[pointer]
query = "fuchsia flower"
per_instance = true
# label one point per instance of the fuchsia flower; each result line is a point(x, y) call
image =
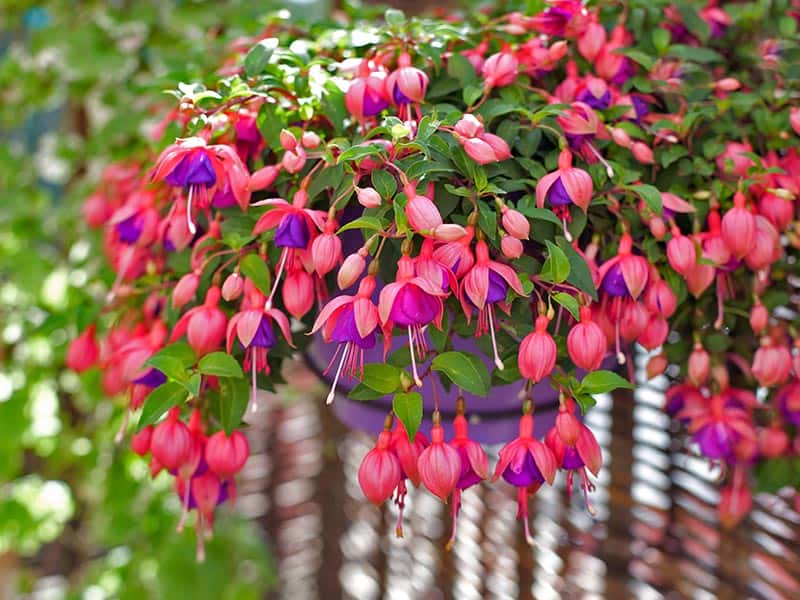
point(204, 326)
point(422, 214)
point(537, 352)
point(171, 441)
point(425, 265)
point(351, 321)
point(439, 464)
point(366, 96)
point(411, 302)
point(226, 455)
point(626, 274)
point(406, 84)
point(772, 363)
point(298, 289)
point(83, 351)
point(483, 286)
point(739, 228)
point(565, 186)
point(499, 70)
point(252, 327)
point(474, 464)
point(407, 453)
point(718, 427)
point(380, 472)
point(525, 463)
point(574, 448)
point(457, 256)
point(191, 164)
point(586, 342)
point(562, 18)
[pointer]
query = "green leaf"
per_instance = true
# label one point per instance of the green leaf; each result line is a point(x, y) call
point(539, 214)
point(440, 337)
point(160, 401)
point(363, 392)
point(384, 183)
point(579, 274)
point(556, 268)
point(394, 17)
point(258, 56)
point(408, 408)
point(179, 350)
point(585, 401)
point(372, 223)
point(360, 151)
point(192, 385)
point(569, 302)
point(220, 364)
point(600, 382)
point(638, 56)
point(465, 370)
point(169, 365)
point(254, 268)
point(471, 93)
point(233, 399)
point(776, 473)
point(650, 195)
point(381, 377)
point(459, 67)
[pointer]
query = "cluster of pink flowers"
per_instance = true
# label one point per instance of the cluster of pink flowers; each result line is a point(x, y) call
point(642, 250)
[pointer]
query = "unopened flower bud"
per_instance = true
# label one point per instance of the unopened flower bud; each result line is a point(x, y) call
point(368, 197)
point(512, 248)
point(310, 139)
point(232, 287)
point(351, 270)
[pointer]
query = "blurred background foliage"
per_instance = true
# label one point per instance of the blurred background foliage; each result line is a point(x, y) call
point(78, 81)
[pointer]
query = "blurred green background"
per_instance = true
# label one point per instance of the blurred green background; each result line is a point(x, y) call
point(78, 517)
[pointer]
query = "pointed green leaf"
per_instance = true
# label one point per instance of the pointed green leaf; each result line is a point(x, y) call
point(569, 302)
point(600, 382)
point(233, 400)
point(384, 183)
point(371, 223)
point(579, 274)
point(220, 364)
point(651, 197)
point(364, 393)
point(381, 377)
point(408, 408)
point(556, 268)
point(465, 370)
point(160, 401)
point(258, 56)
point(254, 268)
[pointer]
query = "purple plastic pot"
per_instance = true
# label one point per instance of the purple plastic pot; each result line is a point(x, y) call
point(493, 419)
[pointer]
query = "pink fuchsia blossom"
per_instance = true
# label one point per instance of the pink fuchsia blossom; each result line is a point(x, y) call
point(204, 326)
point(537, 352)
point(439, 464)
point(484, 285)
point(380, 471)
point(411, 302)
point(586, 342)
point(567, 185)
point(350, 321)
point(83, 351)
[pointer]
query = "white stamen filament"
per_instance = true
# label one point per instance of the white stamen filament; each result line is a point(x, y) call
point(609, 170)
point(497, 362)
point(189, 223)
point(201, 544)
point(184, 506)
point(281, 264)
point(122, 428)
point(417, 380)
point(332, 393)
point(567, 234)
point(253, 387)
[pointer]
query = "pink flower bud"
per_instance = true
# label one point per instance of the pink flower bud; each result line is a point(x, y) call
point(699, 278)
point(380, 472)
point(499, 70)
point(794, 119)
point(294, 161)
point(772, 441)
point(288, 140)
point(592, 40)
point(140, 442)
point(310, 139)
point(660, 299)
point(83, 351)
point(263, 178)
point(699, 365)
point(468, 126)
point(642, 153)
point(657, 228)
point(739, 228)
point(421, 212)
point(656, 365)
point(734, 504)
point(515, 223)
point(777, 210)
point(297, 292)
point(351, 270)
point(728, 84)
point(326, 251)
point(511, 247)
point(734, 161)
point(772, 363)
point(759, 317)
point(96, 211)
point(439, 465)
point(171, 441)
point(654, 334)
point(537, 352)
point(480, 151)
point(232, 287)
point(499, 146)
point(621, 137)
point(185, 289)
point(368, 197)
point(586, 342)
point(449, 232)
point(681, 253)
point(225, 455)
point(767, 248)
